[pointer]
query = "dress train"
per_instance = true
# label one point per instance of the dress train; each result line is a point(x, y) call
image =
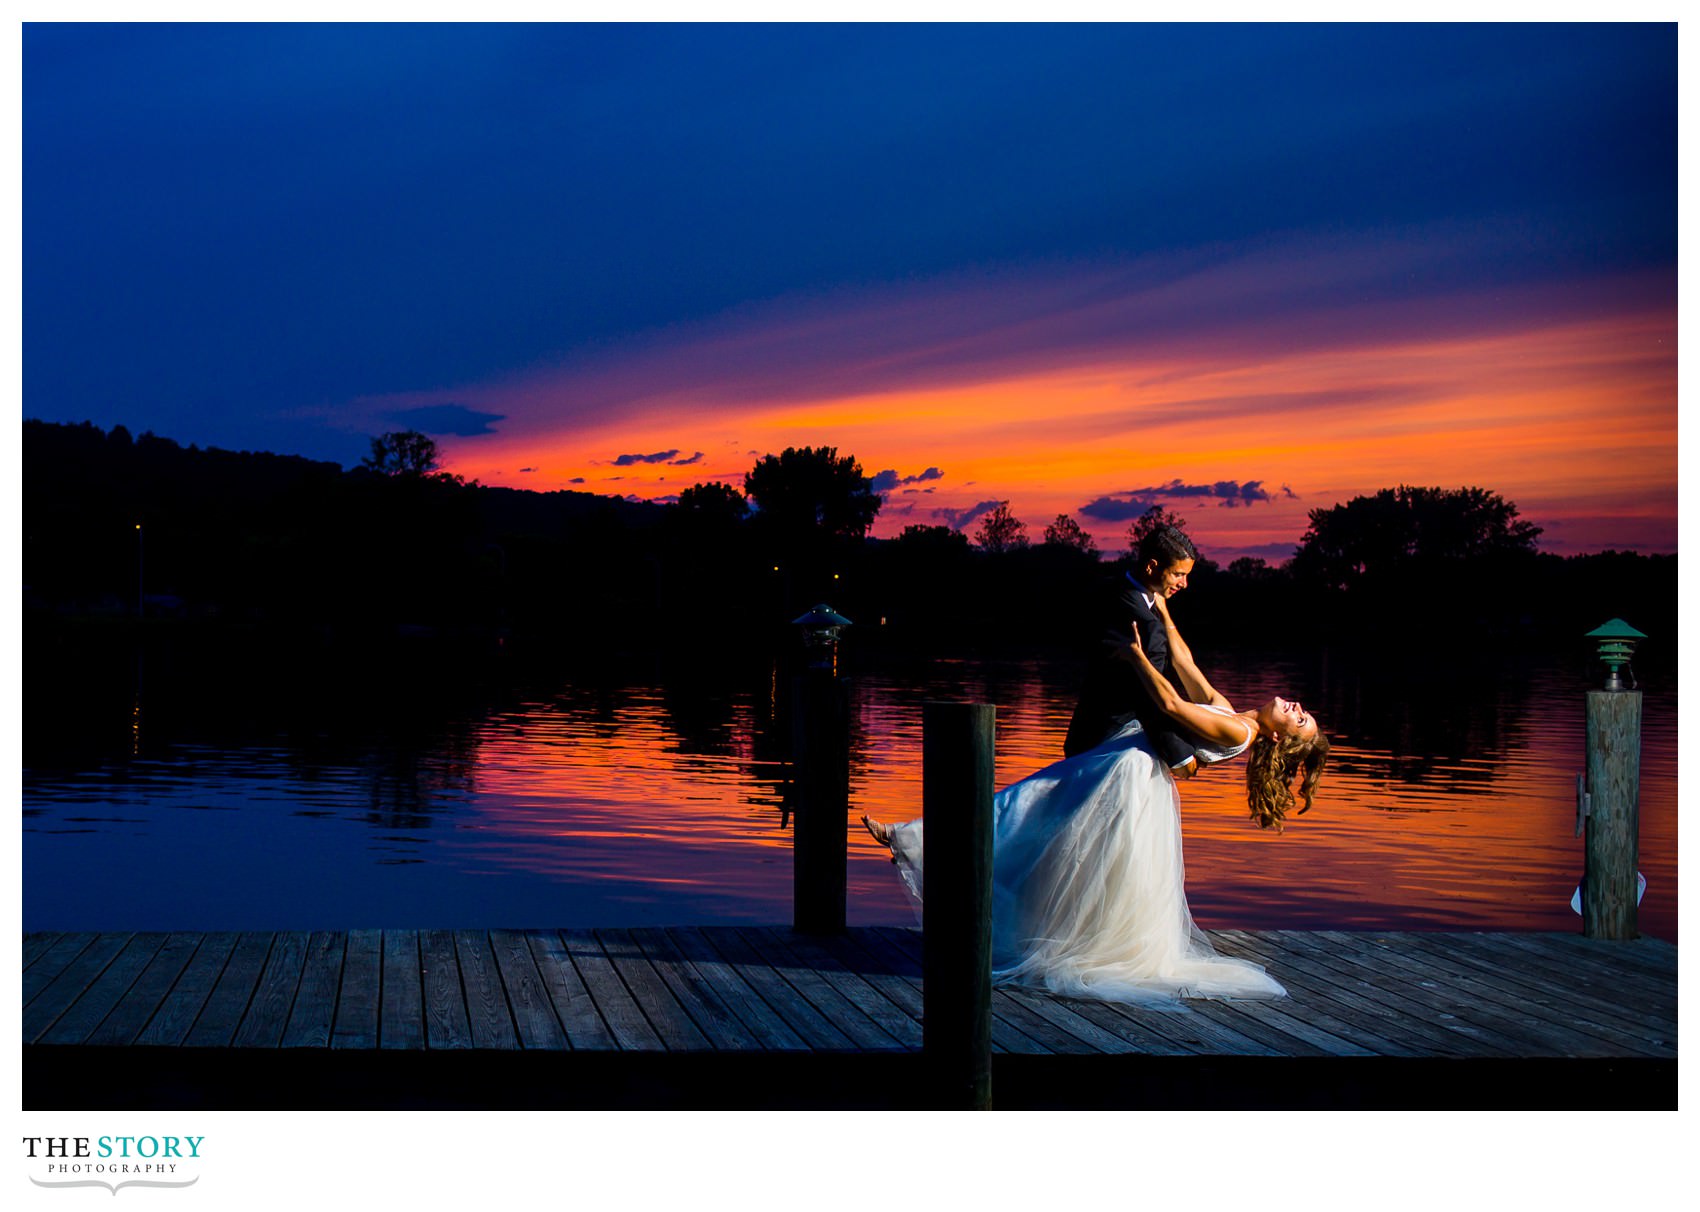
point(1088, 883)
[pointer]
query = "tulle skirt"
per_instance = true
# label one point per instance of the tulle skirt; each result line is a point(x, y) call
point(1088, 884)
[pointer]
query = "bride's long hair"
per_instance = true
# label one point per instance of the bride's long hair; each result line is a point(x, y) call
point(1270, 771)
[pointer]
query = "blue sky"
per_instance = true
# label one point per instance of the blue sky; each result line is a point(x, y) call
point(293, 237)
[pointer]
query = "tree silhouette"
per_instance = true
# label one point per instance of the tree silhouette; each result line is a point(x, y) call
point(714, 504)
point(810, 493)
point(1402, 535)
point(934, 540)
point(1066, 532)
point(405, 452)
point(1150, 520)
point(1253, 568)
point(1000, 530)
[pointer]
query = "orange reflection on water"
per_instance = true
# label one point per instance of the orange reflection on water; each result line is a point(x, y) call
point(1462, 823)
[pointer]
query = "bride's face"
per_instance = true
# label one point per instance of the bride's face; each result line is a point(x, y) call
point(1284, 717)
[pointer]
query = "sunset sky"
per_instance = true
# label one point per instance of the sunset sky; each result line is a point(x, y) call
point(1242, 271)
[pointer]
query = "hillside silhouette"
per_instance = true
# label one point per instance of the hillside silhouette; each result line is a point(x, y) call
point(291, 547)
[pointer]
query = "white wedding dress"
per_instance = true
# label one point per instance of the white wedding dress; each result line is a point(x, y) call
point(1088, 883)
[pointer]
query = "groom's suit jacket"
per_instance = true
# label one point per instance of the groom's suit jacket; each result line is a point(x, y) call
point(1113, 693)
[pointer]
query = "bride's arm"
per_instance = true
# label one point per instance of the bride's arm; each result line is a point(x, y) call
point(1198, 687)
point(1226, 730)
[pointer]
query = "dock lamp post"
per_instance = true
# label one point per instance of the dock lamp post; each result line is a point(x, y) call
point(821, 627)
point(820, 747)
point(1608, 808)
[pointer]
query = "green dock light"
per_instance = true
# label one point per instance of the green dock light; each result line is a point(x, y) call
point(1617, 641)
point(821, 627)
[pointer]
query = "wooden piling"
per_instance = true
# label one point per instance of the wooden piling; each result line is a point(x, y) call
point(821, 804)
point(956, 789)
point(1614, 816)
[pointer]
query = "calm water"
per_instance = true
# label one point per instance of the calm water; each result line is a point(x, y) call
point(648, 802)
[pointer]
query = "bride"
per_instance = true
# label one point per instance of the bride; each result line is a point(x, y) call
point(1088, 895)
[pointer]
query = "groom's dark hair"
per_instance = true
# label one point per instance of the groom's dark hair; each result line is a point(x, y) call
point(1168, 545)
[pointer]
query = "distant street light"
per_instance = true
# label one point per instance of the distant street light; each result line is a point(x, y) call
point(141, 568)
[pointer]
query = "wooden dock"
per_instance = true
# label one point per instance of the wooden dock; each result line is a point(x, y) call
point(747, 1017)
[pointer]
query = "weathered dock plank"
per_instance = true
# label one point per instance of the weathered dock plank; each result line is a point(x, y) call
point(818, 991)
point(1081, 1021)
point(47, 966)
point(585, 1028)
point(1458, 993)
point(707, 1016)
point(215, 1026)
point(444, 1001)
point(625, 1018)
point(719, 1023)
point(177, 1013)
point(148, 994)
point(899, 972)
point(1337, 992)
point(102, 995)
point(740, 998)
point(805, 953)
point(1627, 995)
point(1307, 1005)
point(263, 1024)
point(796, 1010)
point(1133, 1029)
point(1019, 1028)
point(1651, 956)
point(528, 999)
point(401, 1010)
point(58, 989)
point(1201, 1026)
point(37, 945)
point(1070, 1025)
point(486, 1000)
point(1274, 1023)
point(359, 1000)
point(313, 1017)
point(898, 980)
point(1396, 999)
point(666, 1015)
point(1549, 1002)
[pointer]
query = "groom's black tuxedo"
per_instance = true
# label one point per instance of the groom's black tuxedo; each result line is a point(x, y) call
point(1113, 694)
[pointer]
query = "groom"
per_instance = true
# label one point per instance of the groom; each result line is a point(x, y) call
point(1112, 694)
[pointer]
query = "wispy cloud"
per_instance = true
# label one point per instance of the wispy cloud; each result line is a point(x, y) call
point(1112, 509)
point(885, 481)
point(959, 518)
point(1131, 502)
point(629, 460)
point(453, 419)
